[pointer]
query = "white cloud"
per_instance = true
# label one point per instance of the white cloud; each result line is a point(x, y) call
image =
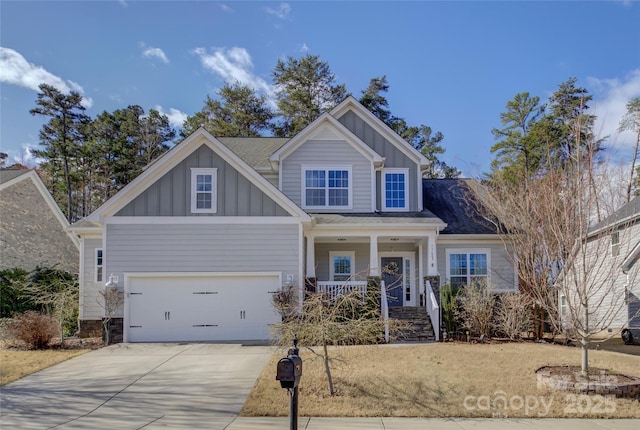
point(175, 116)
point(281, 12)
point(158, 53)
point(610, 97)
point(225, 8)
point(234, 65)
point(16, 70)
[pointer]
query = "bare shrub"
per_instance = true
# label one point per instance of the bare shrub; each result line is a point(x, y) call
point(513, 315)
point(33, 328)
point(475, 308)
point(284, 301)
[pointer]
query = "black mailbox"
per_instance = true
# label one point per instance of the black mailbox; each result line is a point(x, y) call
point(289, 371)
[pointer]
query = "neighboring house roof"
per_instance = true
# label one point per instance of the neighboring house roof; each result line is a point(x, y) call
point(453, 201)
point(626, 214)
point(32, 227)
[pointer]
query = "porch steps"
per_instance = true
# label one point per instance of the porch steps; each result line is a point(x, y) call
point(419, 328)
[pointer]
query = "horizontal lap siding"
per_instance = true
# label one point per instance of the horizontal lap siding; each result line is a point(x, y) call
point(203, 248)
point(502, 271)
point(89, 293)
point(328, 153)
point(605, 282)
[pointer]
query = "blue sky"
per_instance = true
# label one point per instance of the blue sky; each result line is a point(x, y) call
point(450, 65)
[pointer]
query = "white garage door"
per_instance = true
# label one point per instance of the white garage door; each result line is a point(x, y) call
point(165, 308)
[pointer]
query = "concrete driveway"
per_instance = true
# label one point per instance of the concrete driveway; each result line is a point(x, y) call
point(135, 386)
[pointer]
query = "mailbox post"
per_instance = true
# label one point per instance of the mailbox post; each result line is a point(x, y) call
point(288, 372)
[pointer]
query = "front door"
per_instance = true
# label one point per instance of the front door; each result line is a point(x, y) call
point(392, 277)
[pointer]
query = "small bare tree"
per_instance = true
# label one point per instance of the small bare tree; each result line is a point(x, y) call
point(56, 292)
point(321, 321)
point(111, 299)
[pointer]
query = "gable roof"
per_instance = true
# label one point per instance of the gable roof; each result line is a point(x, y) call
point(351, 104)
point(626, 214)
point(255, 151)
point(171, 159)
point(8, 175)
point(32, 235)
point(453, 201)
point(314, 128)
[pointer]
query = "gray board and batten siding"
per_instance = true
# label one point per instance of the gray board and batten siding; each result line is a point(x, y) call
point(332, 153)
point(394, 158)
point(170, 195)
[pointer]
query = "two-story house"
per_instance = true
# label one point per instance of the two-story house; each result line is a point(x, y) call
point(200, 240)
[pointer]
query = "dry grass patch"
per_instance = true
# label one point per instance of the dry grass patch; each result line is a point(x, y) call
point(18, 364)
point(442, 380)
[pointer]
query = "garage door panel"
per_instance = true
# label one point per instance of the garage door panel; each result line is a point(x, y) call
point(200, 308)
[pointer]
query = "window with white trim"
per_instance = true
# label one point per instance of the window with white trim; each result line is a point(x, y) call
point(563, 305)
point(204, 190)
point(98, 261)
point(341, 265)
point(395, 189)
point(326, 187)
point(615, 244)
point(468, 267)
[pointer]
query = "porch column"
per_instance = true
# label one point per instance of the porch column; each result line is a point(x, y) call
point(311, 257)
point(432, 258)
point(374, 261)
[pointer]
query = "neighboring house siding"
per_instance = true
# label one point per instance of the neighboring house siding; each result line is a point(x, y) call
point(328, 153)
point(607, 282)
point(30, 233)
point(171, 194)
point(501, 270)
point(394, 158)
point(89, 293)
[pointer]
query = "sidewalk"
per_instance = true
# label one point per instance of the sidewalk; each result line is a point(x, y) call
point(266, 423)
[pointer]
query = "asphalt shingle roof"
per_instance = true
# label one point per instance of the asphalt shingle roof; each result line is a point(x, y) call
point(453, 201)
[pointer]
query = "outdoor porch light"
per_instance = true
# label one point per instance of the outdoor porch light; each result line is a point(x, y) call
point(112, 283)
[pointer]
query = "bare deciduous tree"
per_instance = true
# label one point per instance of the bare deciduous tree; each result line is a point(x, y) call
point(111, 299)
point(321, 321)
point(565, 264)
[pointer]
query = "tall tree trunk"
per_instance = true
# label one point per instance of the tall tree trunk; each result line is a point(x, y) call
point(633, 167)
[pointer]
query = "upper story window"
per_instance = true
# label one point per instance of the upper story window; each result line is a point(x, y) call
point(468, 267)
point(99, 266)
point(326, 187)
point(395, 190)
point(615, 244)
point(203, 190)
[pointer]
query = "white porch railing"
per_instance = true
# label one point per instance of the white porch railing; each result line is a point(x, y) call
point(384, 308)
point(433, 309)
point(333, 289)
